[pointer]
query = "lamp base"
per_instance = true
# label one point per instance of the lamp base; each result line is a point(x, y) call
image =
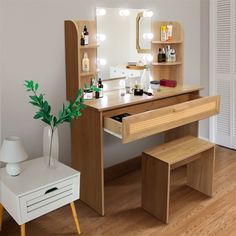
point(13, 169)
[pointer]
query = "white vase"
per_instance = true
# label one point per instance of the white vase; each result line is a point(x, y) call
point(47, 134)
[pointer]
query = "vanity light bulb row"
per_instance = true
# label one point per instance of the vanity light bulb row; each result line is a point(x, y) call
point(101, 61)
point(148, 36)
point(124, 12)
point(101, 12)
point(148, 14)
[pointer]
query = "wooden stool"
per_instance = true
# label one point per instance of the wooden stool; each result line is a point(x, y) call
point(199, 155)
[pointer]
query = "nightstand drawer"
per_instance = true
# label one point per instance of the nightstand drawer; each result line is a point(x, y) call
point(49, 198)
point(145, 124)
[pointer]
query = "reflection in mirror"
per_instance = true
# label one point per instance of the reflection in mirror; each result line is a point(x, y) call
point(116, 29)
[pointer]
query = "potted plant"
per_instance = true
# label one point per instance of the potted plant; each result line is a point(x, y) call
point(70, 111)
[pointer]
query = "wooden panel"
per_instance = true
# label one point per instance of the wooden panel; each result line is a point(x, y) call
point(201, 171)
point(121, 169)
point(87, 157)
point(72, 59)
point(180, 151)
point(152, 122)
point(155, 187)
point(113, 127)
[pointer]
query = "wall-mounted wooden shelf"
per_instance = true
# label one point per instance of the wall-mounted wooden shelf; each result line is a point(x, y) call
point(167, 63)
point(90, 73)
point(168, 70)
point(167, 42)
point(89, 46)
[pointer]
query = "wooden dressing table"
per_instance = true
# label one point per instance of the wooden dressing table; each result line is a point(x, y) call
point(172, 111)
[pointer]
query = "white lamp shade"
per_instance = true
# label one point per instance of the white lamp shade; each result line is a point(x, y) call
point(12, 150)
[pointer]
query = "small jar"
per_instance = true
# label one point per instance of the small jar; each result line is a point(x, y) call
point(88, 94)
point(155, 85)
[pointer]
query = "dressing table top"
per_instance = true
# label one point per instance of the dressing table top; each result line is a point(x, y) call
point(114, 99)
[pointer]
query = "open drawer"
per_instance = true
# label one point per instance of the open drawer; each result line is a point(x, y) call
point(144, 124)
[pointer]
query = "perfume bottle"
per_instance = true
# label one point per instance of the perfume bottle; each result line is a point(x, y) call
point(82, 41)
point(86, 35)
point(85, 63)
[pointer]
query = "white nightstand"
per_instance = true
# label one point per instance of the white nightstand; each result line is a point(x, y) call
point(38, 190)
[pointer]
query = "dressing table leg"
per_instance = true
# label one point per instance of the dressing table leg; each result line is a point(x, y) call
point(1, 216)
point(87, 157)
point(22, 230)
point(72, 205)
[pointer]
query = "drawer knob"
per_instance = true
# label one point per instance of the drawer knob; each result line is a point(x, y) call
point(51, 190)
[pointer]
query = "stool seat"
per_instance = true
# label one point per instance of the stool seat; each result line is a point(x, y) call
point(178, 152)
point(157, 163)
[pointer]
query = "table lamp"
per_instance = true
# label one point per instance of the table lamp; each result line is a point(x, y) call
point(13, 152)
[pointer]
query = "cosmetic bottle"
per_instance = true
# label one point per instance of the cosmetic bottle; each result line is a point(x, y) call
point(163, 33)
point(100, 86)
point(169, 32)
point(168, 51)
point(85, 63)
point(86, 35)
point(82, 41)
point(163, 55)
point(172, 56)
point(159, 56)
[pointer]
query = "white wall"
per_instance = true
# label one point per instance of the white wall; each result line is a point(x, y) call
point(204, 66)
point(33, 38)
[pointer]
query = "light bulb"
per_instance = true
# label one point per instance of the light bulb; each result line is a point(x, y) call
point(148, 58)
point(148, 36)
point(101, 37)
point(124, 12)
point(102, 61)
point(101, 12)
point(147, 13)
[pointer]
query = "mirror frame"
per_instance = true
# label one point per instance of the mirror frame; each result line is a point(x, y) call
point(138, 48)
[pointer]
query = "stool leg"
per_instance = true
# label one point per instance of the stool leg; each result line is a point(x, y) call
point(200, 172)
point(22, 230)
point(155, 187)
point(1, 216)
point(72, 205)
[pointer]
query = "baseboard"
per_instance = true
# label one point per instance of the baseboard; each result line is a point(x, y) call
point(203, 138)
point(121, 169)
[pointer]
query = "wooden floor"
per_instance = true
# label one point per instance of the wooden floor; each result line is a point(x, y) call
point(191, 213)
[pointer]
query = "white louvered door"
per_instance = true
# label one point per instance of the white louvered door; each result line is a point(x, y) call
point(223, 69)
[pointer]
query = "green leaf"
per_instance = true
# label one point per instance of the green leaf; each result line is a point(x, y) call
point(34, 103)
point(36, 86)
point(34, 98)
point(38, 116)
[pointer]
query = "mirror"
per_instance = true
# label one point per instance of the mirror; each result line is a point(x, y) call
point(144, 34)
point(119, 30)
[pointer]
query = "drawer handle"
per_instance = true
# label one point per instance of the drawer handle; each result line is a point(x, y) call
point(51, 190)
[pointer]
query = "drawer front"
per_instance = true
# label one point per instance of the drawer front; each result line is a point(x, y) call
point(49, 198)
point(156, 121)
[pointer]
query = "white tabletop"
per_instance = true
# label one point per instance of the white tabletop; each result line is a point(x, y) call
point(35, 174)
